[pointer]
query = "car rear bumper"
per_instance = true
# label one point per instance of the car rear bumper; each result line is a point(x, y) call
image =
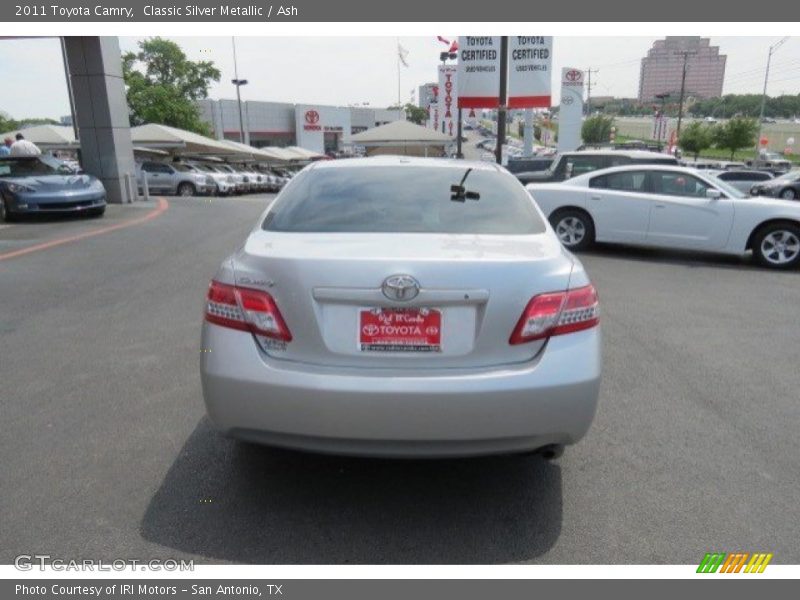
point(449, 412)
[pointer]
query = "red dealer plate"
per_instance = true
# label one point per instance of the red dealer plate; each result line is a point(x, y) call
point(400, 330)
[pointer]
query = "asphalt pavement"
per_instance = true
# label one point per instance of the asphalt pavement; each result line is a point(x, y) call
point(107, 452)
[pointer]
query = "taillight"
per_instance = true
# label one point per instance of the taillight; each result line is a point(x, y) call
point(557, 313)
point(245, 309)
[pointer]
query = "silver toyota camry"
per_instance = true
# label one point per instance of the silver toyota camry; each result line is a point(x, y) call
point(396, 306)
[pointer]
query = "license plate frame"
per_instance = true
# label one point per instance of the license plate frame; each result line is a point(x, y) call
point(415, 330)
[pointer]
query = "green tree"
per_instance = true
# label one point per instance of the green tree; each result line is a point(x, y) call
point(597, 129)
point(415, 114)
point(696, 138)
point(735, 134)
point(163, 86)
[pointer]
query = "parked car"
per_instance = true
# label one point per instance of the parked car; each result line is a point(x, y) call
point(786, 186)
point(528, 164)
point(173, 178)
point(42, 184)
point(744, 179)
point(770, 161)
point(670, 207)
point(239, 178)
point(570, 164)
point(399, 306)
point(224, 182)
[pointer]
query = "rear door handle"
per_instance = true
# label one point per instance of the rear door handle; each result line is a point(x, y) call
point(660, 205)
point(596, 197)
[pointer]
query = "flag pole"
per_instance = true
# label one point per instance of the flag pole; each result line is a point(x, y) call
point(398, 76)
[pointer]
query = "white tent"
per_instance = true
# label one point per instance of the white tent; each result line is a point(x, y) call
point(47, 137)
point(257, 154)
point(403, 137)
point(284, 153)
point(153, 135)
point(304, 154)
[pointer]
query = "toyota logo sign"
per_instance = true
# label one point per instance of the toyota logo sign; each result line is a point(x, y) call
point(400, 287)
point(312, 117)
point(567, 100)
point(574, 75)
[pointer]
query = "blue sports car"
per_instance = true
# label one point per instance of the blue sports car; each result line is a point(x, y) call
point(45, 185)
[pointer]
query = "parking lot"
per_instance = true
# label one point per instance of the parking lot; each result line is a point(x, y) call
point(107, 452)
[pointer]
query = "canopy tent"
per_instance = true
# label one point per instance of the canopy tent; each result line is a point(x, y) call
point(47, 137)
point(153, 135)
point(258, 154)
point(304, 154)
point(403, 137)
point(284, 153)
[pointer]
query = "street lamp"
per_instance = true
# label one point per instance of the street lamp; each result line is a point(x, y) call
point(772, 50)
point(238, 83)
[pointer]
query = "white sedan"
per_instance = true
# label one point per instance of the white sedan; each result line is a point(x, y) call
point(670, 207)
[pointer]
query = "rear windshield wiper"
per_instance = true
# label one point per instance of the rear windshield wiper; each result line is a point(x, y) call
point(458, 193)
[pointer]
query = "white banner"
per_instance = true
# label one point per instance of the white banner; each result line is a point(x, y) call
point(570, 112)
point(448, 100)
point(478, 71)
point(529, 71)
point(433, 109)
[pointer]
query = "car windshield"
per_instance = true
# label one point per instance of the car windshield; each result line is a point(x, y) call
point(33, 166)
point(728, 189)
point(183, 168)
point(788, 177)
point(412, 199)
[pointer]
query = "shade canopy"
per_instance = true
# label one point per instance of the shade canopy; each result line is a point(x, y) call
point(401, 133)
point(46, 136)
point(303, 154)
point(153, 135)
point(267, 154)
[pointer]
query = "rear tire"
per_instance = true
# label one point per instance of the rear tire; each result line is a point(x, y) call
point(777, 245)
point(788, 194)
point(186, 190)
point(574, 228)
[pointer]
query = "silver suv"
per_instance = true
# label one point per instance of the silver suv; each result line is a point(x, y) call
point(175, 178)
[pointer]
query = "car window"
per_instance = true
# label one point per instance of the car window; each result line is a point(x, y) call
point(584, 164)
point(626, 181)
point(153, 167)
point(616, 161)
point(673, 183)
point(26, 167)
point(407, 199)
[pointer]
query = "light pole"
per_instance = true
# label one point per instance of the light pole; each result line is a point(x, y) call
point(772, 50)
point(238, 83)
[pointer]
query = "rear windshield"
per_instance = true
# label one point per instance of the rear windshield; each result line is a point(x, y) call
point(404, 200)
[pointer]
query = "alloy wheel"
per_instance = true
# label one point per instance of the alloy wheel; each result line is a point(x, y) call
point(780, 247)
point(571, 231)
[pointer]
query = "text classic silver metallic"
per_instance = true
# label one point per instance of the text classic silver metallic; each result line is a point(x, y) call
point(406, 307)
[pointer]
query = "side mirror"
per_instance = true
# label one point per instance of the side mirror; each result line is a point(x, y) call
point(568, 171)
point(713, 194)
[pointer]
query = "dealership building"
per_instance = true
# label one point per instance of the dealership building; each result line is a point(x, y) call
point(317, 127)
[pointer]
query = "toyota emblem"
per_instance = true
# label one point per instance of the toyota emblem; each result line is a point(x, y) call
point(312, 117)
point(574, 75)
point(400, 287)
point(567, 100)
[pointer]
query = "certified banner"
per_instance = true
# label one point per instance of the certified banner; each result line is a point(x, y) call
point(570, 112)
point(448, 100)
point(529, 71)
point(478, 71)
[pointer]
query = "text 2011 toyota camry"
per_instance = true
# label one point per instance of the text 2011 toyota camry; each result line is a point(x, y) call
point(399, 306)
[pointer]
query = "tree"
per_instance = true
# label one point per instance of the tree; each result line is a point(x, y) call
point(735, 134)
point(597, 130)
point(696, 138)
point(415, 114)
point(163, 86)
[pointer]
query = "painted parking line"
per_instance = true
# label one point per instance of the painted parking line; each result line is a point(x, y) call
point(162, 206)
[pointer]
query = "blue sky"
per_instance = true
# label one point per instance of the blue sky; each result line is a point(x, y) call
point(350, 70)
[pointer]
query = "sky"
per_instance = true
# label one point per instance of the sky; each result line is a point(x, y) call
point(357, 70)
